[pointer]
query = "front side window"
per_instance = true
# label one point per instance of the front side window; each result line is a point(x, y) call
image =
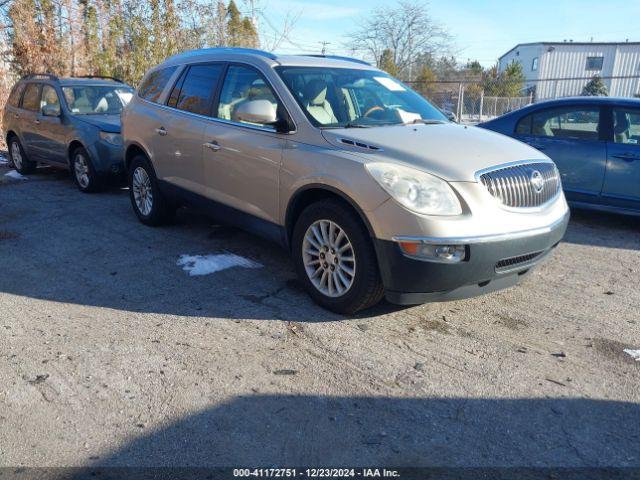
point(577, 123)
point(594, 63)
point(153, 85)
point(534, 64)
point(241, 86)
point(96, 99)
point(49, 101)
point(31, 98)
point(194, 90)
point(626, 126)
point(341, 97)
point(16, 93)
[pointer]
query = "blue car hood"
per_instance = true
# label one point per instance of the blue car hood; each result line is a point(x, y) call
point(107, 123)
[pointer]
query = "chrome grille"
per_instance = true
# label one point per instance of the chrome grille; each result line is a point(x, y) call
point(513, 185)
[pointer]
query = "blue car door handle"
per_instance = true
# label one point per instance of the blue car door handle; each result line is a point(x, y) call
point(627, 157)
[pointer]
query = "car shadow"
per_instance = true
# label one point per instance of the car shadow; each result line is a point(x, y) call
point(600, 229)
point(511, 436)
point(64, 246)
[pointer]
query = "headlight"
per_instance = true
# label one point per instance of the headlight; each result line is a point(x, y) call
point(112, 138)
point(416, 190)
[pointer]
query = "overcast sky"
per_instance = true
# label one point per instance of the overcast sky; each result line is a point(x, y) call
point(482, 29)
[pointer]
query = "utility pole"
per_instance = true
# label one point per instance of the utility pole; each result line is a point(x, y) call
point(324, 47)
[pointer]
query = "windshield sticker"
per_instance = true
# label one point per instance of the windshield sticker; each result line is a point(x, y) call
point(390, 84)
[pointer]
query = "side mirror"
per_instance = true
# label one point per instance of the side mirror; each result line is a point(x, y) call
point(261, 112)
point(51, 110)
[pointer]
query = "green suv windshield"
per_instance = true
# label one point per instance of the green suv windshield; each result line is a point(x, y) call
point(96, 99)
point(340, 97)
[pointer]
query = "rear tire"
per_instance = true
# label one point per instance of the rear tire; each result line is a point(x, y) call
point(151, 207)
point(19, 159)
point(84, 174)
point(335, 259)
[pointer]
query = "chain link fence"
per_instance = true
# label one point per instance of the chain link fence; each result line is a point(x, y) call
point(475, 100)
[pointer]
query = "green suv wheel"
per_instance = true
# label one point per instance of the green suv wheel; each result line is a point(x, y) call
point(19, 159)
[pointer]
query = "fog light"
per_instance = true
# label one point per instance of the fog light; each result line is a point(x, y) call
point(434, 253)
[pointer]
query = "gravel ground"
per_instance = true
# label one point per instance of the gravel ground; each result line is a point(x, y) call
point(111, 354)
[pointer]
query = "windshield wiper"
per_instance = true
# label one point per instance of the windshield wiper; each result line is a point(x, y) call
point(355, 125)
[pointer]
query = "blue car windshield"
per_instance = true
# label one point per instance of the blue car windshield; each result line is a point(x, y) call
point(343, 97)
point(96, 99)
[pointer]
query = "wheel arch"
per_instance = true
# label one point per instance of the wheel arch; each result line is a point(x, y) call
point(132, 151)
point(312, 193)
point(10, 134)
point(73, 145)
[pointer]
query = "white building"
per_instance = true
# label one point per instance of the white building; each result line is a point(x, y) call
point(562, 69)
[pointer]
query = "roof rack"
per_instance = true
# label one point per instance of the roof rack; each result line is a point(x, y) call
point(338, 57)
point(204, 51)
point(106, 77)
point(33, 76)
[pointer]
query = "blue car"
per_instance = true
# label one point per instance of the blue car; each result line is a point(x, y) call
point(595, 142)
point(67, 122)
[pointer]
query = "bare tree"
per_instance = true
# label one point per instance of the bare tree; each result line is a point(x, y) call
point(407, 30)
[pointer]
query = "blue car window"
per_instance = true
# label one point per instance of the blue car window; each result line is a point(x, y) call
point(576, 123)
point(626, 126)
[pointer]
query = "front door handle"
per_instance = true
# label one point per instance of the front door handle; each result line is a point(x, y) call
point(37, 122)
point(627, 156)
point(16, 115)
point(213, 145)
point(161, 131)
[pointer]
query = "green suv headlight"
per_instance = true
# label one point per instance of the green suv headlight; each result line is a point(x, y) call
point(112, 138)
point(416, 190)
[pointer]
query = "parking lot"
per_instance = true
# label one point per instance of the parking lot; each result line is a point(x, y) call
point(112, 354)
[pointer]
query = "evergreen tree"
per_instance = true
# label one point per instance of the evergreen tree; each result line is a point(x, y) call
point(595, 88)
point(387, 63)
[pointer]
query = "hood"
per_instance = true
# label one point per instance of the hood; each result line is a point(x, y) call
point(450, 151)
point(107, 123)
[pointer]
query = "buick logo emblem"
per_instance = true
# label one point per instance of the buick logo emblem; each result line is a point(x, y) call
point(537, 181)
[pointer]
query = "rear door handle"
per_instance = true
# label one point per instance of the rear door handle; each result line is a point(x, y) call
point(161, 131)
point(627, 156)
point(37, 122)
point(213, 145)
point(16, 115)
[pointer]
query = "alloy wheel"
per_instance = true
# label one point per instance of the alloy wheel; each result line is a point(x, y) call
point(16, 155)
point(81, 169)
point(329, 258)
point(142, 191)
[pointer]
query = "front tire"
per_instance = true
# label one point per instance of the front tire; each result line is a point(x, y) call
point(19, 159)
point(83, 172)
point(335, 258)
point(148, 202)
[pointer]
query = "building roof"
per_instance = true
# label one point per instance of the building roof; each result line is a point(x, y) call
point(604, 44)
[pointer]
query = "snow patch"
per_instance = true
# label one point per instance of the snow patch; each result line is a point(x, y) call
point(634, 353)
point(15, 175)
point(3, 160)
point(207, 264)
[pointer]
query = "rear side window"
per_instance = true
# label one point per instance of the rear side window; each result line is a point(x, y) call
point(154, 84)
point(575, 123)
point(16, 93)
point(626, 126)
point(31, 99)
point(194, 91)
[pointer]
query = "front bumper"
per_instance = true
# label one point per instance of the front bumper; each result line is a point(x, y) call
point(492, 263)
point(107, 159)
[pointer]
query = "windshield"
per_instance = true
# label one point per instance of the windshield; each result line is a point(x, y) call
point(96, 99)
point(340, 97)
